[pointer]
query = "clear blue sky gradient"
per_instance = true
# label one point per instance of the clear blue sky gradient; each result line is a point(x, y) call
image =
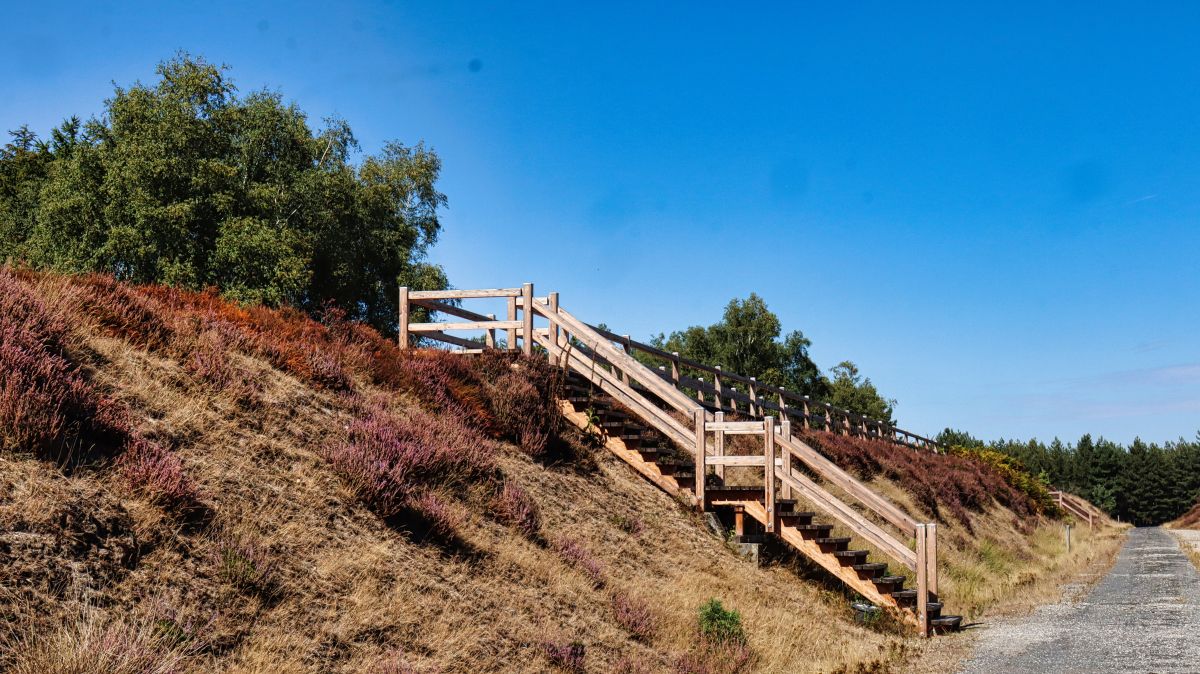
point(993, 212)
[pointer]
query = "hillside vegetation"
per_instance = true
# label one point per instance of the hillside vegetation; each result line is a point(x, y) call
point(191, 485)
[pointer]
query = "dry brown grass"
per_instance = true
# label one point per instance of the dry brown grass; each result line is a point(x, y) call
point(349, 589)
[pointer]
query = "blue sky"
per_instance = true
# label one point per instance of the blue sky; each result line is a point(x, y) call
point(991, 211)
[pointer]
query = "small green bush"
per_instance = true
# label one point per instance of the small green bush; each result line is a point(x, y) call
point(721, 625)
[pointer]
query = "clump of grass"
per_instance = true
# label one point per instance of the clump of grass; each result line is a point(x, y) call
point(158, 475)
point(246, 566)
point(573, 552)
point(518, 509)
point(630, 525)
point(565, 655)
point(96, 644)
point(633, 615)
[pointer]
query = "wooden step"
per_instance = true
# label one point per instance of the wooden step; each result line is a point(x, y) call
point(946, 623)
point(905, 596)
point(897, 583)
point(872, 569)
point(843, 540)
point(851, 554)
point(817, 530)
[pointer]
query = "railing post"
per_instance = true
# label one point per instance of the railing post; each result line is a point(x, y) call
point(675, 368)
point(629, 350)
point(807, 421)
point(489, 336)
point(555, 346)
point(402, 340)
point(511, 335)
point(717, 385)
point(755, 410)
point(719, 444)
point(846, 423)
point(922, 582)
point(527, 315)
point(785, 429)
point(931, 556)
point(733, 398)
point(698, 417)
point(769, 472)
point(699, 390)
point(828, 418)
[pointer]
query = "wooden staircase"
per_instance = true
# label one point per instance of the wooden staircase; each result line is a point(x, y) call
point(677, 441)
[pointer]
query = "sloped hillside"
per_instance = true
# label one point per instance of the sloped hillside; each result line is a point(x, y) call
point(187, 485)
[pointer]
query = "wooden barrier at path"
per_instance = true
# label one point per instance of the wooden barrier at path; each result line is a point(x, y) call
point(659, 397)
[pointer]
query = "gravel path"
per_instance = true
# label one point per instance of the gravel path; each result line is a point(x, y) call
point(1143, 617)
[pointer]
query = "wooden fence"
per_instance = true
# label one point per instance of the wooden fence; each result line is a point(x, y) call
point(652, 394)
point(1075, 506)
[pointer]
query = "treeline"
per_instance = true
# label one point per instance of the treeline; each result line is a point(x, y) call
point(749, 340)
point(187, 183)
point(1142, 483)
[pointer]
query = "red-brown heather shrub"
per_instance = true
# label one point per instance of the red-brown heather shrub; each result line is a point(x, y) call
point(566, 655)
point(516, 508)
point(524, 393)
point(386, 458)
point(1190, 519)
point(395, 663)
point(937, 481)
point(448, 384)
point(46, 405)
point(158, 475)
point(633, 615)
point(631, 665)
point(573, 552)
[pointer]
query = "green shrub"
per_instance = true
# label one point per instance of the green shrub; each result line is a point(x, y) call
point(721, 625)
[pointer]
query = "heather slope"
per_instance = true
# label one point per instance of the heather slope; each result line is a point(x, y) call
point(218, 488)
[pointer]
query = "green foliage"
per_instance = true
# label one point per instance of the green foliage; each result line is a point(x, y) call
point(1012, 471)
point(747, 341)
point(720, 625)
point(850, 390)
point(1143, 483)
point(187, 183)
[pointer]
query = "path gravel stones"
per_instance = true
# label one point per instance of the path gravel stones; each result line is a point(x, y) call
point(1143, 617)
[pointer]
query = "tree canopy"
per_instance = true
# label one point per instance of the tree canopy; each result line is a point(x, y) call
point(749, 340)
point(185, 182)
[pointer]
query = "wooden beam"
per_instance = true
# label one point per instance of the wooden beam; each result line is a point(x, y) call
point(698, 420)
point(463, 294)
point(922, 582)
point(466, 325)
point(719, 445)
point(769, 473)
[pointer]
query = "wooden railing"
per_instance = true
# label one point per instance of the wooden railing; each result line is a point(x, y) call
point(607, 361)
point(1075, 505)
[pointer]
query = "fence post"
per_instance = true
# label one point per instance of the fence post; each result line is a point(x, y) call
point(675, 368)
point(698, 417)
point(1068, 535)
point(807, 421)
point(527, 315)
point(846, 423)
point(717, 385)
point(719, 444)
point(625, 344)
point(769, 471)
point(402, 340)
point(755, 410)
point(512, 316)
point(931, 556)
point(785, 430)
point(555, 346)
point(699, 390)
point(922, 582)
point(489, 337)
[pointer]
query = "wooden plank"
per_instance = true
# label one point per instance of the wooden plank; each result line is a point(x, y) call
point(463, 294)
point(785, 430)
point(847, 575)
point(832, 472)
point(847, 515)
point(451, 339)
point(465, 325)
point(489, 337)
point(403, 337)
point(737, 461)
point(736, 426)
point(451, 310)
point(527, 314)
